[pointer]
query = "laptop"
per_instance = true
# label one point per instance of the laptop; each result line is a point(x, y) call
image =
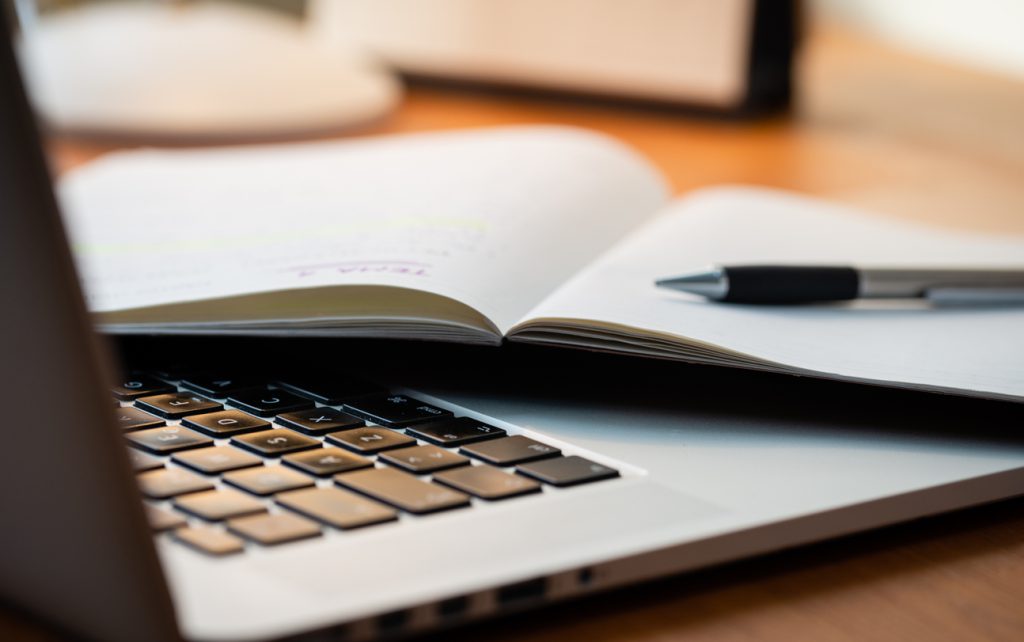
point(375, 491)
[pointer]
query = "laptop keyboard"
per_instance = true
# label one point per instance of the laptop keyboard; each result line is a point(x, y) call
point(228, 464)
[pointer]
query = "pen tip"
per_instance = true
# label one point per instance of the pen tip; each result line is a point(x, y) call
point(706, 283)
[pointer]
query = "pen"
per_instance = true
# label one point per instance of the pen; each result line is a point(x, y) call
point(781, 284)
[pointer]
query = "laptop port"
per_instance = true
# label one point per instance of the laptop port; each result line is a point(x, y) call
point(453, 607)
point(585, 576)
point(522, 593)
point(392, 622)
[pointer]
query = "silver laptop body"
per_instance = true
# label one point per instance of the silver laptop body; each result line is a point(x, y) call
point(712, 466)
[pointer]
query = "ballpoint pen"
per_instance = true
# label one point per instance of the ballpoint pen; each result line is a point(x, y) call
point(782, 284)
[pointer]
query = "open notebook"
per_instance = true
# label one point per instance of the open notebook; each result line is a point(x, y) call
point(540, 234)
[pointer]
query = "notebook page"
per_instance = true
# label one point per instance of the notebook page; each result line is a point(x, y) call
point(614, 305)
point(482, 217)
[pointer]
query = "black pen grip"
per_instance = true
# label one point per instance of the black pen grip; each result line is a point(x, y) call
point(790, 284)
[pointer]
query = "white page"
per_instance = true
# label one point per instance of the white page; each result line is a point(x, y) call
point(965, 349)
point(494, 218)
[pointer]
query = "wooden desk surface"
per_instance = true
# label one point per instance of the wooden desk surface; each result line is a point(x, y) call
point(873, 127)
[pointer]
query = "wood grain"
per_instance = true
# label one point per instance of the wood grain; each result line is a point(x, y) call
point(873, 127)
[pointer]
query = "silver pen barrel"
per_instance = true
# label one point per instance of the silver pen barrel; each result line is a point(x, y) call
point(888, 283)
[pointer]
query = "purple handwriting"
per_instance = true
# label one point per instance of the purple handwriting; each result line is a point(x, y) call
point(364, 267)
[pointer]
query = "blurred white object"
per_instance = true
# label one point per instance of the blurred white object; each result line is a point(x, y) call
point(692, 51)
point(983, 33)
point(195, 71)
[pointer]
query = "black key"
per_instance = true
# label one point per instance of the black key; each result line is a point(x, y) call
point(326, 461)
point(510, 450)
point(225, 423)
point(395, 410)
point(370, 440)
point(402, 490)
point(140, 386)
point(320, 421)
point(267, 480)
point(220, 387)
point(337, 507)
point(267, 403)
point(421, 460)
point(273, 529)
point(167, 439)
point(216, 460)
point(142, 462)
point(271, 443)
point(176, 405)
point(217, 505)
point(567, 471)
point(170, 373)
point(129, 418)
point(169, 482)
point(455, 431)
point(209, 541)
point(163, 520)
point(487, 482)
point(334, 391)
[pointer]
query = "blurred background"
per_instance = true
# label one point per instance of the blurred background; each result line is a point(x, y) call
point(911, 108)
point(983, 33)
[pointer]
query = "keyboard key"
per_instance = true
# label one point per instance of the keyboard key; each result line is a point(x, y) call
point(220, 387)
point(332, 392)
point(510, 450)
point(215, 505)
point(140, 386)
point(370, 440)
point(173, 372)
point(176, 405)
point(487, 482)
point(163, 520)
point(326, 461)
point(272, 443)
point(395, 410)
point(456, 431)
point(423, 459)
point(225, 423)
point(168, 482)
point(402, 490)
point(267, 480)
point(216, 460)
point(129, 418)
point(567, 471)
point(320, 421)
point(142, 462)
point(274, 529)
point(209, 540)
point(267, 403)
point(167, 439)
point(336, 507)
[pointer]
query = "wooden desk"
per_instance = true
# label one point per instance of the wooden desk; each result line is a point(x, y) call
point(873, 127)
